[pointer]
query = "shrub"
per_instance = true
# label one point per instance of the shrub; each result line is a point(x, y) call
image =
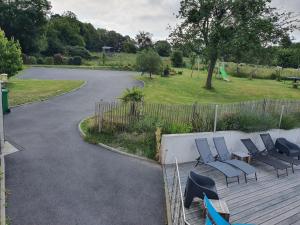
point(248, 122)
point(65, 61)
point(32, 60)
point(177, 58)
point(58, 59)
point(78, 51)
point(133, 95)
point(146, 124)
point(49, 61)
point(290, 121)
point(29, 60)
point(148, 61)
point(166, 72)
point(77, 60)
point(10, 55)
point(175, 128)
point(40, 61)
point(163, 48)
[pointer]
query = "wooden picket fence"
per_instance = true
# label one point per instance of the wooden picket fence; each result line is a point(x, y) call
point(202, 117)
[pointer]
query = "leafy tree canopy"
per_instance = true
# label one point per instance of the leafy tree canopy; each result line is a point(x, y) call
point(148, 61)
point(163, 48)
point(10, 55)
point(26, 22)
point(220, 27)
point(144, 40)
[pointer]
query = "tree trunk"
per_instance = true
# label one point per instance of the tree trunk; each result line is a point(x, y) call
point(211, 67)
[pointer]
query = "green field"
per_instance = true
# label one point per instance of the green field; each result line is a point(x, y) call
point(182, 89)
point(25, 91)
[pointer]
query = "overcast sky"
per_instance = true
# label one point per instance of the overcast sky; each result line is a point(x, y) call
point(130, 16)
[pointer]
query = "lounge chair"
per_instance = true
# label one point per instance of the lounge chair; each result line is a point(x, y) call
point(207, 158)
point(259, 156)
point(226, 157)
point(270, 147)
point(198, 186)
point(212, 216)
point(287, 147)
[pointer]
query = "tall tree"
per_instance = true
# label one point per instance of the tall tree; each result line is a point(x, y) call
point(163, 48)
point(144, 40)
point(214, 26)
point(26, 22)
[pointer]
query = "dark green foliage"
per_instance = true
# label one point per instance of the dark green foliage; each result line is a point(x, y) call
point(144, 40)
point(78, 51)
point(76, 60)
point(148, 61)
point(163, 48)
point(26, 22)
point(134, 94)
point(29, 60)
point(49, 60)
point(177, 58)
point(32, 60)
point(40, 61)
point(129, 46)
point(174, 128)
point(248, 122)
point(288, 57)
point(10, 55)
point(166, 71)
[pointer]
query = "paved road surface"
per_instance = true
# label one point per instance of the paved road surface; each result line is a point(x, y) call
point(60, 180)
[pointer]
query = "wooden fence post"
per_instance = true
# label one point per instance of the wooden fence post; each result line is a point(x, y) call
point(216, 118)
point(100, 115)
point(281, 115)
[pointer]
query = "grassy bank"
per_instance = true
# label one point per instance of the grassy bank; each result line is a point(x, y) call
point(25, 91)
point(184, 89)
point(137, 143)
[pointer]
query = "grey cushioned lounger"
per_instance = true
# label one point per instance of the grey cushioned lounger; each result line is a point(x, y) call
point(207, 158)
point(226, 157)
point(256, 154)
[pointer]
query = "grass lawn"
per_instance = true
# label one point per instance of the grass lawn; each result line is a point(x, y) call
point(182, 89)
point(24, 91)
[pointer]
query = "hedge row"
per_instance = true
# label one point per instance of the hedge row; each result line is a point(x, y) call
point(57, 59)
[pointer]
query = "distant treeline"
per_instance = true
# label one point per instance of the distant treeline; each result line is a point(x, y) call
point(43, 34)
point(40, 32)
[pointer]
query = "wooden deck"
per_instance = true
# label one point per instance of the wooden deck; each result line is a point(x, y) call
point(268, 201)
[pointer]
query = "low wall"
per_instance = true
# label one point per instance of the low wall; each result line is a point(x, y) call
point(183, 147)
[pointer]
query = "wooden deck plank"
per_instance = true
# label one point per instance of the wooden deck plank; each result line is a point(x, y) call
point(293, 220)
point(267, 201)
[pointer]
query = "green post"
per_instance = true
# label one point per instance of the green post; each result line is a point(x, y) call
point(5, 106)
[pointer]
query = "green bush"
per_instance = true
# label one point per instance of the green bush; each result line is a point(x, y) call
point(77, 60)
point(75, 51)
point(49, 60)
point(177, 59)
point(175, 128)
point(65, 61)
point(29, 60)
point(288, 122)
point(148, 61)
point(40, 61)
point(134, 94)
point(146, 124)
point(248, 122)
point(10, 55)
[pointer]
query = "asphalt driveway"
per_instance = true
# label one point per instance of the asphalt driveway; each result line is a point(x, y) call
point(58, 179)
